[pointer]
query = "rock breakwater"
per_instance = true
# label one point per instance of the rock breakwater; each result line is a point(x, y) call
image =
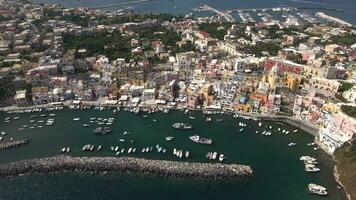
point(7, 145)
point(210, 171)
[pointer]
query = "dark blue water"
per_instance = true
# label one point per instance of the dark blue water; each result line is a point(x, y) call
point(279, 173)
point(184, 6)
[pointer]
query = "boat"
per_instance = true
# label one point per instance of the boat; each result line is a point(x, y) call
point(221, 157)
point(99, 148)
point(68, 149)
point(310, 162)
point(292, 144)
point(187, 154)
point(214, 155)
point(182, 126)
point(169, 138)
point(303, 158)
point(86, 125)
point(200, 140)
point(103, 131)
point(76, 119)
point(317, 189)
point(63, 150)
point(121, 140)
point(180, 153)
point(208, 119)
point(311, 168)
point(191, 117)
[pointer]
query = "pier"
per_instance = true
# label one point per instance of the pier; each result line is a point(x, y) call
point(121, 4)
point(204, 171)
point(225, 15)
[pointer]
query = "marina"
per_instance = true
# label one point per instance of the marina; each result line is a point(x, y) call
point(151, 143)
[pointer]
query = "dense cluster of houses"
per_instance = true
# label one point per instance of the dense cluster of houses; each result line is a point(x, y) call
point(302, 80)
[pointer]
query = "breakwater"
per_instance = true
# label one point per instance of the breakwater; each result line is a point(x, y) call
point(15, 143)
point(208, 171)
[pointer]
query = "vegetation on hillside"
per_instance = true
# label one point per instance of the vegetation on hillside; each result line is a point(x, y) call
point(113, 45)
point(348, 39)
point(345, 86)
point(349, 110)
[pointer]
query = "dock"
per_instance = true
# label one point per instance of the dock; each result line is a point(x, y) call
point(121, 4)
point(223, 14)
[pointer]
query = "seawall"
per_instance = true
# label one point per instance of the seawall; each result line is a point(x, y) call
point(15, 143)
point(206, 171)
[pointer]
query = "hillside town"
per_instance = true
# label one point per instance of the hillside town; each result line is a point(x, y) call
point(292, 68)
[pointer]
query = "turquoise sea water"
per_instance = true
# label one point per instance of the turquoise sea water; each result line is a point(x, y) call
point(182, 7)
point(279, 173)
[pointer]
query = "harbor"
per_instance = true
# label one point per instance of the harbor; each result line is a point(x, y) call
point(156, 139)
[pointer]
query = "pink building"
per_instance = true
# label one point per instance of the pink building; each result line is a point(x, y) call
point(192, 101)
point(346, 124)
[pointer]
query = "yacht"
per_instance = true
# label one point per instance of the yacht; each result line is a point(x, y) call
point(214, 155)
point(292, 144)
point(304, 158)
point(191, 117)
point(200, 140)
point(221, 157)
point(182, 126)
point(311, 168)
point(317, 189)
point(169, 138)
point(187, 154)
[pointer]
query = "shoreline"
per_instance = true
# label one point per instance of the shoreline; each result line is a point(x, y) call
point(337, 179)
point(164, 168)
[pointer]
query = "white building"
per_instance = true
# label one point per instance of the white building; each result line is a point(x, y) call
point(149, 96)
